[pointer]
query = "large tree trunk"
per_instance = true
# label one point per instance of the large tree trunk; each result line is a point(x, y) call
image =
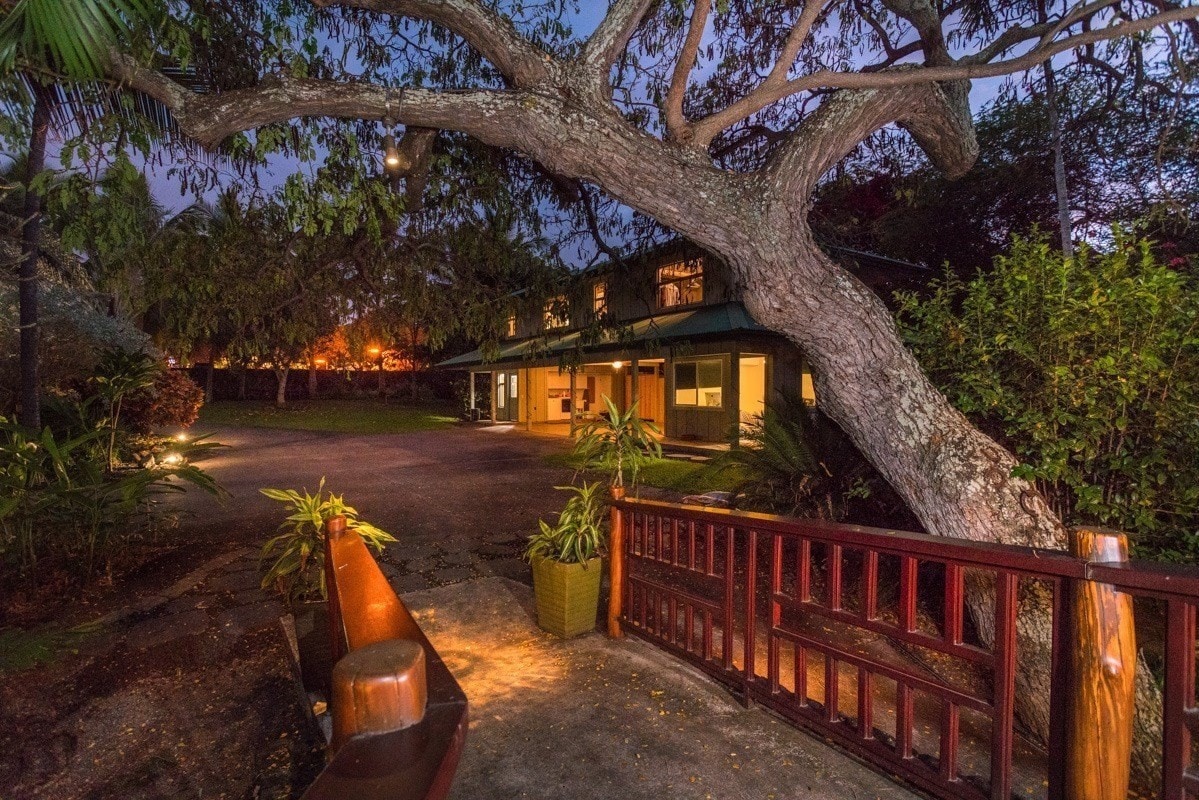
point(30, 394)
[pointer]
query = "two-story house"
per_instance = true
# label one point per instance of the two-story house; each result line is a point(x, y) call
point(667, 331)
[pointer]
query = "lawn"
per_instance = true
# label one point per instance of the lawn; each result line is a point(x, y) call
point(335, 416)
point(675, 474)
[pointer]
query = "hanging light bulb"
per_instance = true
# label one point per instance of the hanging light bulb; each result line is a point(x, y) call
point(391, 155)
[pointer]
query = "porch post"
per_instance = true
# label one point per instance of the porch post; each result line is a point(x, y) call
point(573, 387)
point(491, 377)
point(735, 393)
point(635, 376)
point(470, 379)
point(528, 399)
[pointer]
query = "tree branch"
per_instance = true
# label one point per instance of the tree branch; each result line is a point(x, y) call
point(937, 116)
point(764, 95)
point(676, 121)
point(611, 38)
point(489, 32)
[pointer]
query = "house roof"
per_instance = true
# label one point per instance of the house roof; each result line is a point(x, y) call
point(695, 323)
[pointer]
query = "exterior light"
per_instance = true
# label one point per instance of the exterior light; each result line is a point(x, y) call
point(391, 155)
point(617, 364)
point(320, 362)
point(172, 459)
point(374, 351)
point(181, 437)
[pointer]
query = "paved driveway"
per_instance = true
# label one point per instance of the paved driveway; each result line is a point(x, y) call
point(460, 500)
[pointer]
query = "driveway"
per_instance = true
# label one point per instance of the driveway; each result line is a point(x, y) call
point(461, 501)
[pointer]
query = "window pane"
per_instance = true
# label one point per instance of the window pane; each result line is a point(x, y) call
point(684, 376)
point(709, 383)
point(501, 395)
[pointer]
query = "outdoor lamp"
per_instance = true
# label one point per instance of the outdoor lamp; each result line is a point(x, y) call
point(617, 364)
point(391, 155)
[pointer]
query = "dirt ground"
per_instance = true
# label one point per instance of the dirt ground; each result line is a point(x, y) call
point(181, 684)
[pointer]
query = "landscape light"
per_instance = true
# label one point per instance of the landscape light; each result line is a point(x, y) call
point(181, 437)
point(172, 459)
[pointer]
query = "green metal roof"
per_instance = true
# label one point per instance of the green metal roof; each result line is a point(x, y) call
point(702, 322)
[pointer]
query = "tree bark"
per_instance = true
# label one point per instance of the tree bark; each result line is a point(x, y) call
point(281, 390)
point(30, 413)
point(1061, 191)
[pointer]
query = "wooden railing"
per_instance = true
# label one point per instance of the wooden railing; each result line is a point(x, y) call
point(904, 648)
point(399, 716)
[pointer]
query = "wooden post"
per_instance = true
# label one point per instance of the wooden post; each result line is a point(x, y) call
point(471, 381)
point(528, 393)
point(379, 688)
point(635, 390)
point(574, 382)
point(1103, 661)
point(494, 387)
point(616, 567)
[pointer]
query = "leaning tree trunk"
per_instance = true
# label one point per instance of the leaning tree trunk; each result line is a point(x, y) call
point(30, 393)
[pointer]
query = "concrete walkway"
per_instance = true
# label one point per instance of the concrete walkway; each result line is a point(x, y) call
point(593, 718)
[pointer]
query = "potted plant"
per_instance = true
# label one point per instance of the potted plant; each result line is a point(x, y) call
point(617, 443)
point(565, 558)
point(298, 572)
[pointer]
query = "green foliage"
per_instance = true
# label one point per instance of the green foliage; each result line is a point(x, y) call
point(618, 443)
point(1088, 369)
point(578, 535)
point(60, 502)
point(25, 649)
point(172, 400)
point(120, 373)
point(70, 37)
point(793, 460)
point(298, 571)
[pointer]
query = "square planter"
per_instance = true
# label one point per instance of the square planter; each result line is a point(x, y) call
point(567, 595)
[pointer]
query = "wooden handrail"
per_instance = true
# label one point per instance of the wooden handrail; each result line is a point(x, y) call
point(400, 717)
point(697, 581)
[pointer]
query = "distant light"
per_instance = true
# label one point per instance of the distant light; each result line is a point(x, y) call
point(181, 437)
point(374, 351)
point(172, 459)
point(320, 362)
point(617, 364)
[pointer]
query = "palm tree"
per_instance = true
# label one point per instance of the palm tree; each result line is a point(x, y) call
point(50, 52)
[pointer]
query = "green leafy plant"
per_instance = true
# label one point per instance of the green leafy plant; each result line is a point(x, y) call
point(172, 400)
point(121, 373)
point(59, 500)
point(298, 571)
point(1087, 368)
point(618, 443)
point(578, 534)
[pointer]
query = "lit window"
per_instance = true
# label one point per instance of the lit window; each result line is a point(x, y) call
point(807, 388)
point(599, 299)
point(681, 284)
point(698, 383)
point(511, 326)
point(557, 313)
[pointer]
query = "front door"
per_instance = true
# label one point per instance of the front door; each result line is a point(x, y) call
point(507, 399)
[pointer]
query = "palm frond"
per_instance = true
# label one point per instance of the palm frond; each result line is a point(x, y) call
point(71, 38)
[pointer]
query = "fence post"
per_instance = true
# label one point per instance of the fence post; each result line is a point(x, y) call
point(1099, 733)
point(616, 549)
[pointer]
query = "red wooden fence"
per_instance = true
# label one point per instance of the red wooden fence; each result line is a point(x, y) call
point(821, 624)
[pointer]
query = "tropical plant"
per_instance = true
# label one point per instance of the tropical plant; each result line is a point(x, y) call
point(1088, 369)
point(298, 571)
point(119, 374)
point(58, 499)
point(52, 52)
point(618, 443)
point(173, 400)
point(578, 535)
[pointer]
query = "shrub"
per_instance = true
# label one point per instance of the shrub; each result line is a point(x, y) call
point(1088, 370)
point(173, 400)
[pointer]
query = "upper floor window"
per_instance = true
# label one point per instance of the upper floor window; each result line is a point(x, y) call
point(557, 312)
point(681, 284)
point(511, 326)
point(599, 298)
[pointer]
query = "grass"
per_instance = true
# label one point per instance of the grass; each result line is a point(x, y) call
point(334, 416)
point(22, 649)
point(674, 474)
